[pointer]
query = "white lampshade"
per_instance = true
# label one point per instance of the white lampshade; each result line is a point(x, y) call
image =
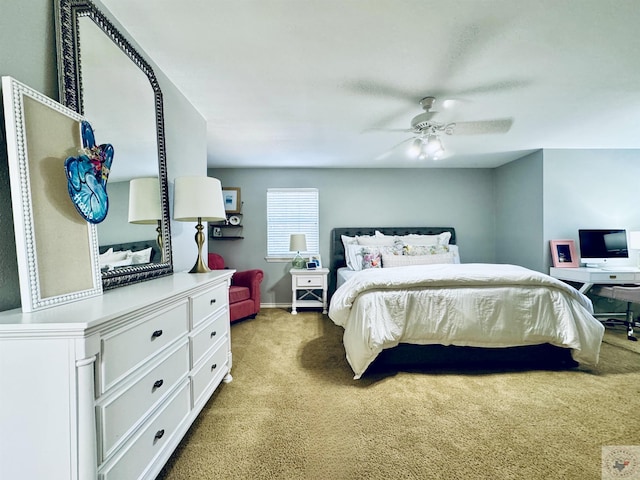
point(634, 240)
point(297, 242)
point(144, 200)
point(198, 198)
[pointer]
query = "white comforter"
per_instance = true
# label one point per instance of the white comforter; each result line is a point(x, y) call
point(480, 305)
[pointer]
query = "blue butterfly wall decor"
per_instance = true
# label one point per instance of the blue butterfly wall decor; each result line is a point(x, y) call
point(87, 176)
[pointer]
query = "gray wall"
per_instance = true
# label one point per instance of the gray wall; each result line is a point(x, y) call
point(589, 189)
point(462, 198)
point(28, 53)
point(519, 212)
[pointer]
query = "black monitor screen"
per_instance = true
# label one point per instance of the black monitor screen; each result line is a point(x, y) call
point(603, 243)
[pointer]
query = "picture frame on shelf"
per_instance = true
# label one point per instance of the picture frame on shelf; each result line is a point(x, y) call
point(316, 259)
point(563, 254)
point(231, 199)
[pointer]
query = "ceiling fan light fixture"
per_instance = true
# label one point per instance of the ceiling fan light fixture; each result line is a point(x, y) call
point(434, 147)
point(416, 147)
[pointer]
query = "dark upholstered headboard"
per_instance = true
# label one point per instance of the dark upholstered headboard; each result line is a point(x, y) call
point(337, 248)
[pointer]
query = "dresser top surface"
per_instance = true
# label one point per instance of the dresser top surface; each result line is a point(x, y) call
point(91, 312)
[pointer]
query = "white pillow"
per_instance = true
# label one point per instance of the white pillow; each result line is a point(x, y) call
point(140, 256)
point(414, 239)
point(389, 261)
point(119, 263)
point(384, 240)
point(109, 257)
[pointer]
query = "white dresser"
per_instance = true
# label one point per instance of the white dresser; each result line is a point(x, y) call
point(107, 387)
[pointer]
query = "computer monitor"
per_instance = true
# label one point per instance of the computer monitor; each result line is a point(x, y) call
point(602, 248)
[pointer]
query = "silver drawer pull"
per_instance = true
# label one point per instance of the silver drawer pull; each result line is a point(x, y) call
point(214, 366)
point(159, 434)
point(212, 301)
point(156, 334)
point(213, 334)
point(157, 384)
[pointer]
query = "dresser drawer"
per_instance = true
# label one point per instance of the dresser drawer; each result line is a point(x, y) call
point(309, 281)
point(206, 303)
point(213, 368)
point(122, 411)
point(127, 347)
point(138, 455)
point(614, 276)
point(211, 332)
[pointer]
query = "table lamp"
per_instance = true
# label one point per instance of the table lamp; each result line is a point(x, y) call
point(196, 199)
point(144, 204)
point(298, 243)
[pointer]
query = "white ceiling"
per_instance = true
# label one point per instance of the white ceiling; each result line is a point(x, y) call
point(306, 83)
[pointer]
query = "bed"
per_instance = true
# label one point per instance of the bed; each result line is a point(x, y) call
point(446, 302)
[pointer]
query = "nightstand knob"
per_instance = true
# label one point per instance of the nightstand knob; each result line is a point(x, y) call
point(214, 366)
point(156, 334)
point(213, 334)
point(158, 384)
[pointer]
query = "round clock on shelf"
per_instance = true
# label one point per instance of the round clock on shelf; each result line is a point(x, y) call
point(234, 220)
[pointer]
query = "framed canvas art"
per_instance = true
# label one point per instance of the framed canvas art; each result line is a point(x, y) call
point(57, 249)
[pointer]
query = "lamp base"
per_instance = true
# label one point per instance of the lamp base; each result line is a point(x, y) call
point(298, 261)
point(200, 266)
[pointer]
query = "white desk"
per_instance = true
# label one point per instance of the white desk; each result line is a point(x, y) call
point(596, 276)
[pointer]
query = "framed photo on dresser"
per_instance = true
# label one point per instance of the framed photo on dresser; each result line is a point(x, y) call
point(563, 253)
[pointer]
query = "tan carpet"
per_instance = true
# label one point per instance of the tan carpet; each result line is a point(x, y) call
point(294, 412)
point(617, 335)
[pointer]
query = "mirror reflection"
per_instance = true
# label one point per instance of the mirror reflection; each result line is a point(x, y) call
point(107, 81)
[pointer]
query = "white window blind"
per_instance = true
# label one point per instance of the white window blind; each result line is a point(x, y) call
point(292, 210)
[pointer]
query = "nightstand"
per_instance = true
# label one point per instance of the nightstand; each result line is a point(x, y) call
point(309, 282)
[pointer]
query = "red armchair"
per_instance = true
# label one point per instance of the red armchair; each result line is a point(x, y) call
point(244, 293)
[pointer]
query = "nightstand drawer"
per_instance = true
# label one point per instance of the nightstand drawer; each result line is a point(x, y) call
point(208, 302)
point(309, 281)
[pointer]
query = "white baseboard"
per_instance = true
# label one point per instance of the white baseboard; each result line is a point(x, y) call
point(275, 305)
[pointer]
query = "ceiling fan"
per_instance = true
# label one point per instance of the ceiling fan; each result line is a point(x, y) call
point(426, 131)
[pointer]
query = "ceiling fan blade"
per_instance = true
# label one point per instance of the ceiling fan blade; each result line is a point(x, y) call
point(483, 127)
point(405, 130)
point(378, 89)
point(384, 155)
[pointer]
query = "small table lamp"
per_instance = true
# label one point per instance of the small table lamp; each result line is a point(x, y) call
point(144, 204)
point(297, 243)
point(196, 199)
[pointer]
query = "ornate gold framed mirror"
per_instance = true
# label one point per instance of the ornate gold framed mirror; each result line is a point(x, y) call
point(104, 78)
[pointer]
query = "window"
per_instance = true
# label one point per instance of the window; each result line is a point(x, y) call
point(291, 210)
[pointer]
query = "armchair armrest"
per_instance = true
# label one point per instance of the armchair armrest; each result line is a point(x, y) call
point(250, 279)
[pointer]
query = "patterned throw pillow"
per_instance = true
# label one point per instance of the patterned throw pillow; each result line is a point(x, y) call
point(424, 249)
point(361, 257)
